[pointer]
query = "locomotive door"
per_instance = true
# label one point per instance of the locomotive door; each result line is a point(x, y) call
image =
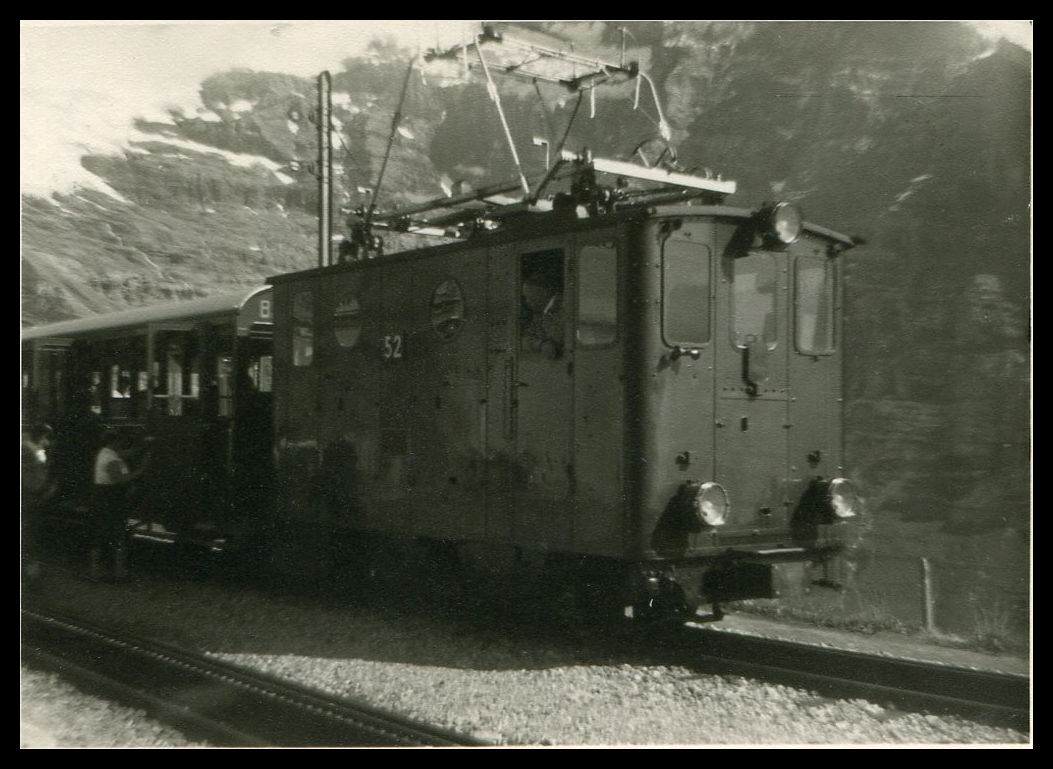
point(598, 395)
point(543, 396)
point(815, 368)
point(445, 359)
point(753, 392)
point(502, 307)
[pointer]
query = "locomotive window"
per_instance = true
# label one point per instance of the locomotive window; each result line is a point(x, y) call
point(541, 303)
point(597, 295)
point(447, 310)
point(685, 292)
point(753, 300)
point(303, 328)
point(814, 305)
point(347, 321)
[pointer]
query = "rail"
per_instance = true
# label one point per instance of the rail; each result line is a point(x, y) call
point(219, 703)
point(992, 697)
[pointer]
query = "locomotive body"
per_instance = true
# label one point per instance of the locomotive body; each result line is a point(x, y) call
point(647, 400)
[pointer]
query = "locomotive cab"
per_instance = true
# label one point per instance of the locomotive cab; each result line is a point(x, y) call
point(739, 388)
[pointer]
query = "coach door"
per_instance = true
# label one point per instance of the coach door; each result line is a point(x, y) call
point(179, 465)
point(245, 395)
point(752, 395)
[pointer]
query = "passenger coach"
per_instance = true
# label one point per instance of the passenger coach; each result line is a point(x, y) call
point(188, 384)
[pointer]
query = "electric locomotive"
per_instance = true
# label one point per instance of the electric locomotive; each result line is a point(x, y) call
point(637, 390)
point(610, 383)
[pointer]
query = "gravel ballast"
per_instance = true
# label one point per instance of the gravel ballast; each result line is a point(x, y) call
point(55, 714)
point(487, 682)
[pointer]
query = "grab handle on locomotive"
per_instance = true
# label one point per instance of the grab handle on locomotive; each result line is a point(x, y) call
point(754, 364)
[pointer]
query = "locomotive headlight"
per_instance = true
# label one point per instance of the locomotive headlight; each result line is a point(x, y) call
point(844, 499)
point(782, 222)
point(711, 504)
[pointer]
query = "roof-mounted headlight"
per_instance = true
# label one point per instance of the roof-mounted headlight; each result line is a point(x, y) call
point(781, 223)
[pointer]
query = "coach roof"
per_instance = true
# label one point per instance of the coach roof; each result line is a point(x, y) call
point(217, 304)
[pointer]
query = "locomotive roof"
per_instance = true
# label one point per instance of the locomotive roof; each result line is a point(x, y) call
point(745, 213)
point(545, 224)
point(217, 304)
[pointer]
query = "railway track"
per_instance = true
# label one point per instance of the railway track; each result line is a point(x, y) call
point(200, 693)
point(991, 697)
point(209, 700)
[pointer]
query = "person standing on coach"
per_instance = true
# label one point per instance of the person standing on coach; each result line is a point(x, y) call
point(110, 505)
point(37, 489)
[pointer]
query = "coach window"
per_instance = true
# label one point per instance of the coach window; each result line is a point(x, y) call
point(126, 393)
point(447, 310)
point(303, 328)
point(176, 374)
point(347, 321)
point(685, 292)
point(96, 391)
point(260, 371)
point(225, 385)
point(174, 378)
point(753, 300)
point(814, 305)
point(597, 295)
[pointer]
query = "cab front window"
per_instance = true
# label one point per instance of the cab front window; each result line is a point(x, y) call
point(685, 292)
point(753, 301)
point(814, 305)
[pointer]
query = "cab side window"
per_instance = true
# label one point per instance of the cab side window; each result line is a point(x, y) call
point(541, 317)
point(686, 310)
point(597, 295)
